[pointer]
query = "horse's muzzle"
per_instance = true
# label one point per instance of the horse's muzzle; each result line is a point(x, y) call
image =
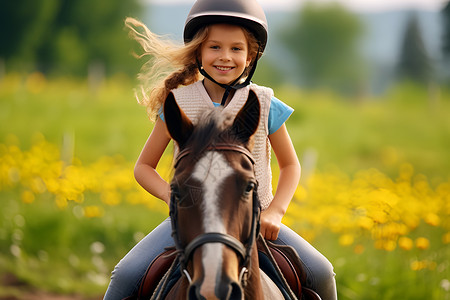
point(225, 291)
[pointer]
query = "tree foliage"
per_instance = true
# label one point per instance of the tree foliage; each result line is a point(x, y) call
point(446, 35)
point(65, 36)
point(414, 63)
point(446, 42)
point(324, 40)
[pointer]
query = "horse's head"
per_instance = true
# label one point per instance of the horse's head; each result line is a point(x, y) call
point(214, 208)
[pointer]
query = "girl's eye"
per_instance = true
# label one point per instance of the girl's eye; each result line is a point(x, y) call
point(214, 47)
point(236, 49)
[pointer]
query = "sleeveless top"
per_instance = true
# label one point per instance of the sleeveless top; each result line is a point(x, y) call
point(193, 100)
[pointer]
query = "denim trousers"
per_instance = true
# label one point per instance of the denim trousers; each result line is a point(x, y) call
point(128, 273)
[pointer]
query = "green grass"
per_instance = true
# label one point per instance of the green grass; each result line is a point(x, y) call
point(76, 253)
point(401, 126)
point(381, 132)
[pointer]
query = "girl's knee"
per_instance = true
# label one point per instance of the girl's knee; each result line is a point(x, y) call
point(323, 279)
point(324, 272)
point(125, 274)
point(124, 282)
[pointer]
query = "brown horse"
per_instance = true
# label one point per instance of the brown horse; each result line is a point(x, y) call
point(214, 206)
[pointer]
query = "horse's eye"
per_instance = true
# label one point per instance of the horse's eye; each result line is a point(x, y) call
point(250, 187)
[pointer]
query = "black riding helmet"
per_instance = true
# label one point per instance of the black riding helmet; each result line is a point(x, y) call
point(245, 13)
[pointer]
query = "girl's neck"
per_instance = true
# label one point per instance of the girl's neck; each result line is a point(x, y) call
point(216, 92)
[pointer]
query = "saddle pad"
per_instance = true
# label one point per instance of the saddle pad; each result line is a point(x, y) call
point(266, 267)
point(155, 273)
point(292, 271)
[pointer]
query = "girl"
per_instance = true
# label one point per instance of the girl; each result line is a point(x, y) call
point(223, 41)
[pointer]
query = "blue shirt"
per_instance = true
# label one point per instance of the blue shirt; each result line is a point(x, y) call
point(278, 114)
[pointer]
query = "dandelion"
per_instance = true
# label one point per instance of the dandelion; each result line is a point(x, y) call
point(405, 243)
point(446, 238)
point(92, 211)
point(379, 216)
point(417, 265)
point(365, 223)
point(432, 219)
point(422, 243)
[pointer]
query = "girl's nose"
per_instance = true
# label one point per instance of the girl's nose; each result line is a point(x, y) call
point(225, 56)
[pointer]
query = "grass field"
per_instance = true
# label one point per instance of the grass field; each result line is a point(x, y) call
point(374, 196)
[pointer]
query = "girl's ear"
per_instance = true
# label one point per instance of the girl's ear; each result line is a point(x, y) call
point(247, 120)
point(249, 60)
point(178, 124)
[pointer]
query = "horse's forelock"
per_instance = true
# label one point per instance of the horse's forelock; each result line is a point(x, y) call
point(211, 129)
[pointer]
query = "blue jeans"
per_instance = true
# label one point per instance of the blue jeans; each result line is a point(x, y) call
point(129, 271)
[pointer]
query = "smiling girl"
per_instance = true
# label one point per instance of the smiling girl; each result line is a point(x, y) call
point(223, 41)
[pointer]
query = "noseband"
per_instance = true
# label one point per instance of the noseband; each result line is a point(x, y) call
point(242, 249)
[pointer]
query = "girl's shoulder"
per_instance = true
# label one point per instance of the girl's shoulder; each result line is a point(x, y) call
point(263, 91)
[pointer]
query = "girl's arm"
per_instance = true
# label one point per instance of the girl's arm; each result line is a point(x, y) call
point(287, 183)
point(145, 169)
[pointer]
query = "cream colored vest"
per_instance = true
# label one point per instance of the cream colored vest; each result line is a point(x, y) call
point(193, 99)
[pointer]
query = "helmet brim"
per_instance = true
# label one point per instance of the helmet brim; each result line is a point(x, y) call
point(195, 22)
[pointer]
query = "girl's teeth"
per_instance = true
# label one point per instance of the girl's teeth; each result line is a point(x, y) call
point(224, 68)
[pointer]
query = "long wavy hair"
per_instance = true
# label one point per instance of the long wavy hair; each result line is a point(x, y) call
point(170, 65)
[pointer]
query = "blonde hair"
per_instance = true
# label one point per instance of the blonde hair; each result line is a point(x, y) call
point(170, 65)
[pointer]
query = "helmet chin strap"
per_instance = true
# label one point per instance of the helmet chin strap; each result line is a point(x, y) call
point(233, 85)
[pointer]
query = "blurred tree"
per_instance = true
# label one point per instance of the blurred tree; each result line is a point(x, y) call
point(446, 38)
point(22, 25)
point(324, 39)
point(414, 62)
point(67, 36)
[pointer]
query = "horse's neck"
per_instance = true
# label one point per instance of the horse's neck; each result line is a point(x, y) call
point(179, 290)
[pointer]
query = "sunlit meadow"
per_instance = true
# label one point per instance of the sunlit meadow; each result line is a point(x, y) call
point(374, 197)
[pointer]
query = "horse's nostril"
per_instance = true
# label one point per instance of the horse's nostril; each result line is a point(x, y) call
point(194, 293)
point(236, 292)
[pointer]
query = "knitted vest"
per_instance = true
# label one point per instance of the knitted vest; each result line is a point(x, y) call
point(193, 100)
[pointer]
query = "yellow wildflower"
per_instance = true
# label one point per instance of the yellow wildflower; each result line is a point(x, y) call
point(446, 238)
point(432, 219)
point(422, 243)
point(405, 243)
point(418, 265)
point(92, 211)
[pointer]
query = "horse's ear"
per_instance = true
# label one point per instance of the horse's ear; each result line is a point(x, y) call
point(178, 124)
point(247, 119)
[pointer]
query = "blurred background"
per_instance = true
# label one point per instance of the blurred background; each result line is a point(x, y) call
point(370, 85)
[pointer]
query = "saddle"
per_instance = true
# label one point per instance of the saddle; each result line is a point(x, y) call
point(286, 259)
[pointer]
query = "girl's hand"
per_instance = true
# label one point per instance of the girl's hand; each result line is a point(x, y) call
point(270, 224)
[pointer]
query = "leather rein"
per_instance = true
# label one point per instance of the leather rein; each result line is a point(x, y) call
point(242, 249)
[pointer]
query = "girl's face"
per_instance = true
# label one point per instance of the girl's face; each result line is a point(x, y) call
point(224, 54)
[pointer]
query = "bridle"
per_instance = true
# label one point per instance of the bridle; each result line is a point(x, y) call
point(243, 249)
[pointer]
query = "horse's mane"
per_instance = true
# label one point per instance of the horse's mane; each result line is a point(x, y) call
point(212, 128)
